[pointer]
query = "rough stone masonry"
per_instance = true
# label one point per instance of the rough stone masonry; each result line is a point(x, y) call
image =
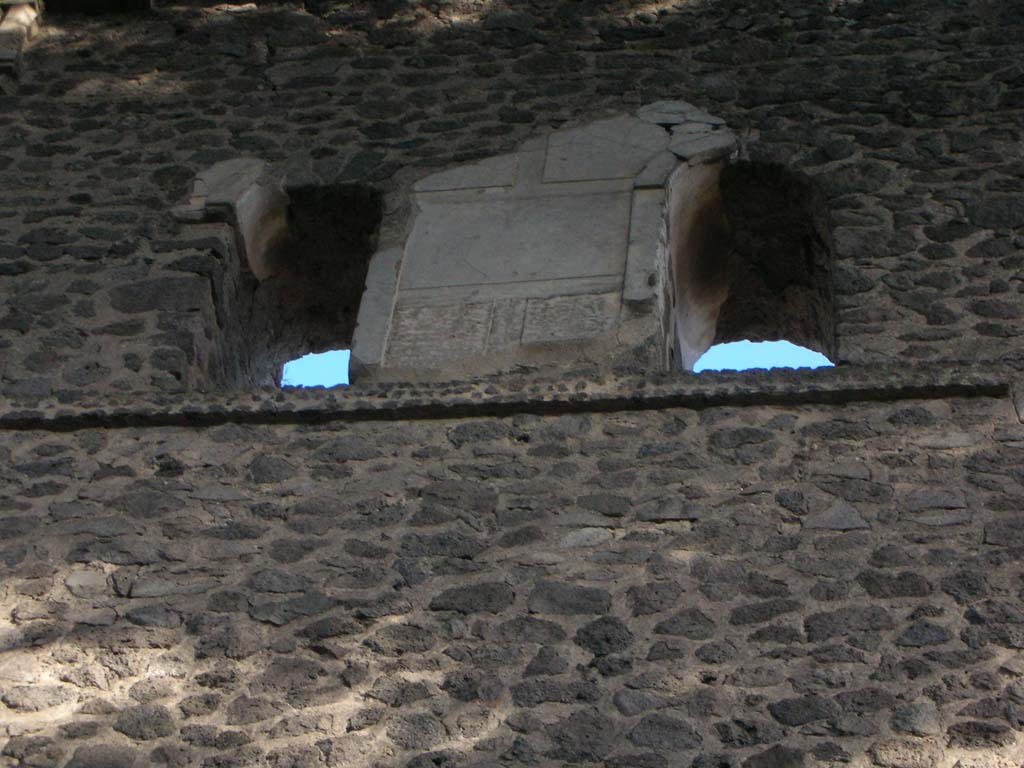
point(545, 566)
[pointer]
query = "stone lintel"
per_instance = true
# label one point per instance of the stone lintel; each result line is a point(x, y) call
point(375, 310)
point(640, 285)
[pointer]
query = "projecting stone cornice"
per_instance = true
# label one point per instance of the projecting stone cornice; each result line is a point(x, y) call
point(586, 391)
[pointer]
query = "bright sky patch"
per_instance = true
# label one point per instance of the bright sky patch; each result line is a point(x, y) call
point(326, 369)
point(744, 355)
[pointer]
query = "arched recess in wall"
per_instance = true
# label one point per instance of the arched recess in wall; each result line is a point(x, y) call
point(301, 258)
point(751, 258)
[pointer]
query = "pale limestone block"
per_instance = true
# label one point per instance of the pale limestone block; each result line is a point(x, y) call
point(483, 239)
point(497, 171)
point(566, 318)
point(261, 214)
point(527, 289)
point(375, 307)
point(427, 336)
point(507, 318)
point(642, 253)
point(704, 147)
point(223, 183)
point(243, 192)
point(617, 148)
point(657, 171)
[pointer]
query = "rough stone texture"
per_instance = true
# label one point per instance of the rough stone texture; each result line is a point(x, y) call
point(383, 628)
point(604, 567)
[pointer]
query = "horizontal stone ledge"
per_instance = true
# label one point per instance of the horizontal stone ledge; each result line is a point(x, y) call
point(581, 393)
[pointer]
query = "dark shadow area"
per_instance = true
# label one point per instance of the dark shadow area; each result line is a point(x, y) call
point(98, 7)
point(780, 258)
point(310, 301)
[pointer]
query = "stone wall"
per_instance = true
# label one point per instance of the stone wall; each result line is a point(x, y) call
point(907, 113)
point(601, 567)
point(794, 585)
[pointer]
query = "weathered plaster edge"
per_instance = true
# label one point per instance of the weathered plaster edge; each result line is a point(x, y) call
point(485, 398)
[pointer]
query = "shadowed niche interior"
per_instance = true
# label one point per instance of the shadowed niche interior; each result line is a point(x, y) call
point(312, 273)
point(751, 257)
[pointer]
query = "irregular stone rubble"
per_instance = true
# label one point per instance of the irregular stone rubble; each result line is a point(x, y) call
point(928, 259)
point(742, 586)
point(607, 568)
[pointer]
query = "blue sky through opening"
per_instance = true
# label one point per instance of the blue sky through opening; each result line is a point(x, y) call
point(744, 355)
point(326, 369)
